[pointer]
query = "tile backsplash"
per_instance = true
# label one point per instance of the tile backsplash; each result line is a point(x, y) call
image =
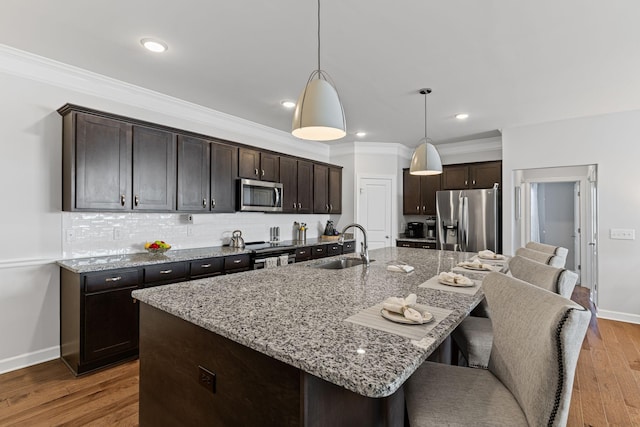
point(88, 234)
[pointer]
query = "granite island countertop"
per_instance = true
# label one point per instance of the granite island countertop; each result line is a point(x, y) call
point(102, 263)
point(296, 314)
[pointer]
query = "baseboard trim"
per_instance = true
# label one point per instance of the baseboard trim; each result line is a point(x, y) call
point(616, 315)
point(29, 359)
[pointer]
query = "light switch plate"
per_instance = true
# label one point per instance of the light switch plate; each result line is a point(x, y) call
point(622, 233)
point(70, 234)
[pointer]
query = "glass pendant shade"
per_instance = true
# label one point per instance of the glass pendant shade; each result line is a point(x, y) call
point(425, 160)
point(319, 115)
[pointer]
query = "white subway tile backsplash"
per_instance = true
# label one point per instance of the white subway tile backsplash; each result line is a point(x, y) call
point(94, 232)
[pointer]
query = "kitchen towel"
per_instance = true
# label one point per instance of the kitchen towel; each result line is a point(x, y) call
point(271, 262)
point(371, 317)
point(283, 259)
point(434, 284)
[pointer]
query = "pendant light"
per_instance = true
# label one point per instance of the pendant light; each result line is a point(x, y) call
point(425, 160)
point(319, 115)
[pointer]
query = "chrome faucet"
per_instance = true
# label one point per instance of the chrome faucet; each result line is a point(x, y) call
point(364, 254)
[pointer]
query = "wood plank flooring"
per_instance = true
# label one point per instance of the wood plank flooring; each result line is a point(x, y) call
point(606, 390)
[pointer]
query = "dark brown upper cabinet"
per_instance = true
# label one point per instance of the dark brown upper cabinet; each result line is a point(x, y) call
point(224, 172)
point(419, 193)
point(296, 177)
point(471, 175)
point(154, 169)
point(327, 189)
point(194, 174)
point(254, 164)
point(96, 160)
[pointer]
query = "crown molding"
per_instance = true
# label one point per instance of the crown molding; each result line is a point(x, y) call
point(470, 146)
point(38, 68)
point(363, 147)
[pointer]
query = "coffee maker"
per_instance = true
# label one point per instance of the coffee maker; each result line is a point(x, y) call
point(431, 227)
point(414, 229)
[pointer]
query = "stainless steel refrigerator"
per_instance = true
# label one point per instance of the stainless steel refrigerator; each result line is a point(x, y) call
point(469, 220)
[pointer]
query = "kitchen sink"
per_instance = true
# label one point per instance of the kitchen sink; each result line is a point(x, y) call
point(339, 264)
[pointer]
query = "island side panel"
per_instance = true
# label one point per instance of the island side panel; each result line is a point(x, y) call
point(250, 388)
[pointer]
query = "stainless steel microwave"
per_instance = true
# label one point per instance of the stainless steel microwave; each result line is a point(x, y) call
point(259, 196)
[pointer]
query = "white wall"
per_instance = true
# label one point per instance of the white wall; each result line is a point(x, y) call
point(31, 222)
point(611, 142)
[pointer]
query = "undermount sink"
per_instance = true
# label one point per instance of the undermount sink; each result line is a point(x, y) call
point(339, 264)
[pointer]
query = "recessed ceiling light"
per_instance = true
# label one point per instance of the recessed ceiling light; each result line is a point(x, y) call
point(288, 104)
point(462, 116)
point(154, 45)
point(361, 134)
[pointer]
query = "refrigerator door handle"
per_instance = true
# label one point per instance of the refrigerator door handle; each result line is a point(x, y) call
point(464, 224)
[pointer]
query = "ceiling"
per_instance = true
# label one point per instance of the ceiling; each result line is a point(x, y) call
point(505, 62)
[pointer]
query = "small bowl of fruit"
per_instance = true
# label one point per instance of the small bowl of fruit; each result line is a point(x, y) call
point(157, 247)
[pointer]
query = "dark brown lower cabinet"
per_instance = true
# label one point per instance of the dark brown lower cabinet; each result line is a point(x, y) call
point(421, 245)
point(98, 318)
point(243, 387)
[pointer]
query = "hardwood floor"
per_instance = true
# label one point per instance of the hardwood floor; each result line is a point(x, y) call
point(606, 389)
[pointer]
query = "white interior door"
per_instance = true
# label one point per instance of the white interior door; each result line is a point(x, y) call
point(375, 210)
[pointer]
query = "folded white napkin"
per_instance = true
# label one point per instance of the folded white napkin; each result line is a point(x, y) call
point(403, 306)
point(454, 278)
point(476, 264)
point(396, 267)
point(490, 254)
point(271, 262)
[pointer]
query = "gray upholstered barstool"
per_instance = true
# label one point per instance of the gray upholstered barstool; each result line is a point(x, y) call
point(474, 335)
point(550, 249)
point(537, 340)
point(543, 257)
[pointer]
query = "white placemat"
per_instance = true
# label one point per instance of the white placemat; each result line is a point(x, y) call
point(497, 262)
point(434, 284)
point(462, 270)
point(372, 318)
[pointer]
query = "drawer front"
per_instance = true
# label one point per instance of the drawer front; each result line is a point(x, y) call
point(303, 254)
point(319, 251)
point(95, 282)
point(334, 249)
point(348, 247)
point(235, 262)
point(206, 267)
point(405, 244)
point(174, 271)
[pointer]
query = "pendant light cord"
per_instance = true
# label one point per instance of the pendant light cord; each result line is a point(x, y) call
point(425, 116)
point(318, 35)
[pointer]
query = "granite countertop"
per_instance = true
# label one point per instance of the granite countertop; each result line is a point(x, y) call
point(102, 263)
point(297, 313)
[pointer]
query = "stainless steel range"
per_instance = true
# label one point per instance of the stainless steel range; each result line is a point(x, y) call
point(264, 253)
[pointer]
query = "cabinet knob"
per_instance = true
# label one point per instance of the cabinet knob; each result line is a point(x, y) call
point(122, 199)
point(237, 261)
point(418, 208)
point(466, 182)
point(256, 171)
point(165, 271)
point(262, 172)
point(424, 208)
point(136, 200)
point(113, 279)
point(299, 205)
point(213, 203)
point(326, 207)
point(205, 266)
point(204, 203)
point(473, 182)
point(294, 205)
point(303, 252)
point(330, 207)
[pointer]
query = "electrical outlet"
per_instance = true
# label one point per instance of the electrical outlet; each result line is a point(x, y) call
point(117, 233)
point(70, 235)
point(189, 230)
point(207, 379)
point(622, 233)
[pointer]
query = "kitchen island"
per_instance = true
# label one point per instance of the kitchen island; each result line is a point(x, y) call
point(272, 346)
